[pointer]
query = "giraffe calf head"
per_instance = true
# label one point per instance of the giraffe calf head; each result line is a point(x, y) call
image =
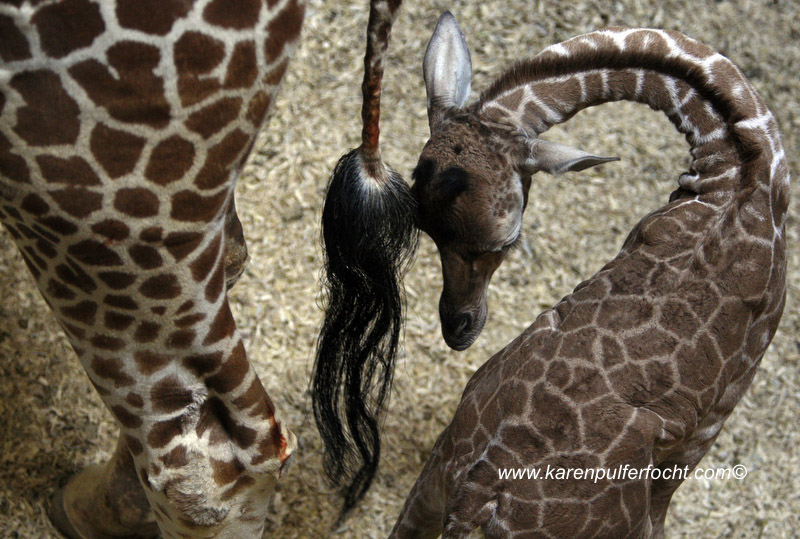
point(470, 201)
point(472, 182)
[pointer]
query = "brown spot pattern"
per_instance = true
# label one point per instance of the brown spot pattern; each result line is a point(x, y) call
point(258, 107)
point(14, 45)
point(242, 67)
point(83, 312)
point(107, 342)
point(185, 307)
point(94, 253)
point(216, 418)
point(164, 431)
point(59, 291)
point(59, 225)
point(202, 364)
point(151, 16)
point(163, 286)
point(137, 96)
point(111, 369)
point(134, 445)
point(68, 25)
point(217, 167)
point(189, 320)
point(126, 418)
point(232, 373)
point(75, 276)
point(204, 263)
point(50, 116)
point(117, 280)
point(111, 229)
point(117, 321)
point(176, 458)
point(34, 204)
point(135, 400)
point(192, 207)
point(226, 472)
point(136, 202)
point(183, 338)
point(149, 362)
point(170, 160)
point(275, 76)
point(74, 171)
point(121, 302)
point(223, 326)
point(147, 332)
point(145, 256)
point(169, 395)
point(152, 234)
point(255, 397)
point(285, 27)
point(117, 151)
point(78, 202)
point(212, 118)
point(12, 166)
point(237, 14)
point(216, 284)
point(196, 54)
point(182, 244)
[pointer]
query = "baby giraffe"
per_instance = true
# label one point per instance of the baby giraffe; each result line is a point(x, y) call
point(615, 394)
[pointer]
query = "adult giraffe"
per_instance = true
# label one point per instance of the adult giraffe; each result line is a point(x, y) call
point(123, 128)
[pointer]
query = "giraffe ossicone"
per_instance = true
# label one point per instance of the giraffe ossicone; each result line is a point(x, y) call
point(642, 364)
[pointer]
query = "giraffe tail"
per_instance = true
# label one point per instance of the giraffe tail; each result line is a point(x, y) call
point(370, 236)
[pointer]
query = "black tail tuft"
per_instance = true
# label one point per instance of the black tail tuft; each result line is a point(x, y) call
point(370, 237)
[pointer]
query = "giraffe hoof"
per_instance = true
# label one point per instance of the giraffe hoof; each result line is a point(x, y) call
point(58, 516)
point(81, 510)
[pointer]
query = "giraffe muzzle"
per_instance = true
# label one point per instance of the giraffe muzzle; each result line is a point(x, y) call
point(460, 328)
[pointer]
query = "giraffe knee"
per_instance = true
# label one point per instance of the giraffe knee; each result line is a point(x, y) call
point(210, 495)
point(235, 262)
point(185, 497)
point(235, 247)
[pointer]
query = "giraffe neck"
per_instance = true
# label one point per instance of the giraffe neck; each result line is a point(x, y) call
point(704, 95)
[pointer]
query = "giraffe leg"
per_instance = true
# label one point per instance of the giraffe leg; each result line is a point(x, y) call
point(659, 502)
point(104, 501)
point(422, 514)
point(200, 436)
point(418, 520)
point(661, 490)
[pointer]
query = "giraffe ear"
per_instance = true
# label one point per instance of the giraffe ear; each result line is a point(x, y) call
point(557, 158)
point(447, 68)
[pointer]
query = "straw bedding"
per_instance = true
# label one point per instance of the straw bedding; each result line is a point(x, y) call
point(52, 424)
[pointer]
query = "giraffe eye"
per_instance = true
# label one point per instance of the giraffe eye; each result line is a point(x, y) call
point(512, 244)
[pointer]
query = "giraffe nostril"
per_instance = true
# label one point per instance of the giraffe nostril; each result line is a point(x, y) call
point(461, 323)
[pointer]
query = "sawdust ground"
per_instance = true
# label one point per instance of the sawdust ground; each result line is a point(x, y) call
point(52, 424)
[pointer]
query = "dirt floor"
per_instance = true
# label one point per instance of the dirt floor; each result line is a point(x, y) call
point(52, 423)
